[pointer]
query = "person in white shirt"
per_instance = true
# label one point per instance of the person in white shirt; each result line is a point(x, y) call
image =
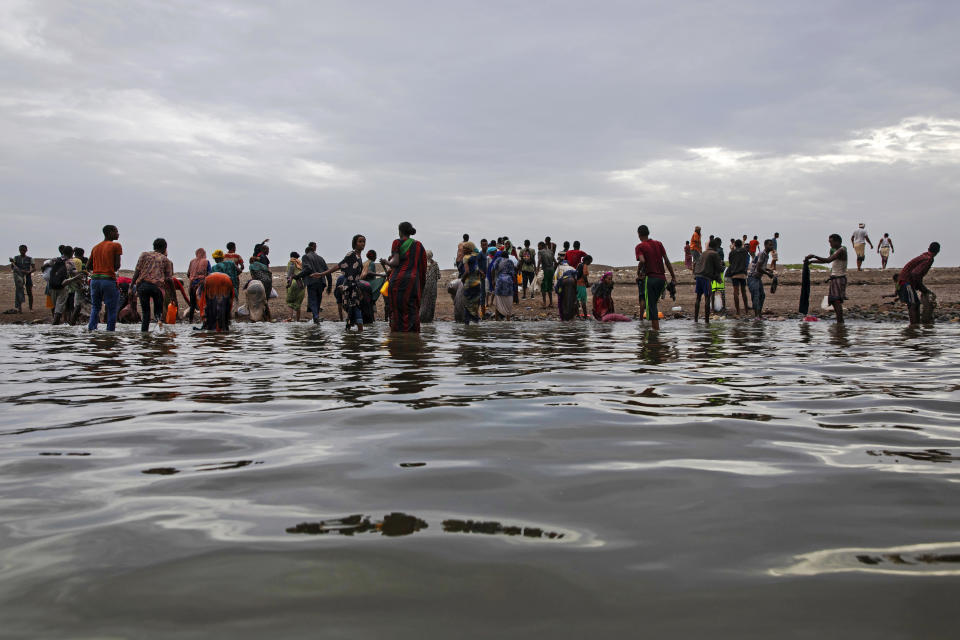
point(838, 273)
point(859, 240)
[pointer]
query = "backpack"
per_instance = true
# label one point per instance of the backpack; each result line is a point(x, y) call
point(58, 273)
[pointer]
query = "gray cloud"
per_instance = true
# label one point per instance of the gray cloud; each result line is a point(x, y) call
point(205, 122)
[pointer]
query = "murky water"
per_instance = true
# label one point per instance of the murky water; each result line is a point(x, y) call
point(743, 480)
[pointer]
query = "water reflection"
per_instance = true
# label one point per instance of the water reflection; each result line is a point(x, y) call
point(402, 524)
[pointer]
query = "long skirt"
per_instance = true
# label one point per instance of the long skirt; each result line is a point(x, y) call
point(405, 303)
point(295, 295)
point(504, 305)
point(567, 298)
point(218, 297)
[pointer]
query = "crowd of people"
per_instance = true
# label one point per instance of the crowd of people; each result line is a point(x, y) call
point(491, 277)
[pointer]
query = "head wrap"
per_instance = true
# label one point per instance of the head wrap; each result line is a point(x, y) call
point(217, 253)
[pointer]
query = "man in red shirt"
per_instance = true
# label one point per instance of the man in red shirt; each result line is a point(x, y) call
point(910, 281)
point(574, 256)
point(652, 264)
point(104, 264)
point(753, 246)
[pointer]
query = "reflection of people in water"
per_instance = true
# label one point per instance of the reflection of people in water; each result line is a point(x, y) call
point(401, 524)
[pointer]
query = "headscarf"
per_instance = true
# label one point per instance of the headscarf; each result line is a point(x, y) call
point(601, 288)
point(217, 253)
point(468, 249)
point(198, 266)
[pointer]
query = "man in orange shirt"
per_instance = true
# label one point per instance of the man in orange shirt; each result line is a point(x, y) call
point(104, 264)
point(695, 247)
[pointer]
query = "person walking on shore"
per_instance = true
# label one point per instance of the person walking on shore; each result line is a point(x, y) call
point(652, 265)
point(231, 255)
point(752, 248)
point(737, 274)
point(547, 265)
point(575, 255)
point(583, 281)
point(860, 239)
point(23, 269)
point(295, 288)
point(911, 281)
point(687, 256)
point(528, 267)
point(314, 268)
point(838, 273)
point(755, 278)
point(775, 254)
point(885, 248)
point(696, 248)
point(104, 264)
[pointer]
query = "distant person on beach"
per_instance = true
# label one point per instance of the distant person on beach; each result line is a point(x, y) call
point(696, 246)
point(838, 273)
point(151, 276)
point(547, 265)
point(408, 259)
point(687, 256)
point(566, 290)
point(314, 268)
point(460, 250)
point(575, 255)
point(295, 289)
point(471, 291)
point(758, 269)
point(550, 244)
point(61, 269)
point(752, 248)
point(885, 248)
point(739, 261)
point(504, 285)
point(562, 256)
point(23, 269)
point(231, 255)
point(860, 239)
point(709, 269)
point(428, 302)
point(774, 254)
point(652, 265)
point(483, 261)
point(528, 267)
point(226, 267)
point(583, 281)
point(104, 264)
point(911, 281)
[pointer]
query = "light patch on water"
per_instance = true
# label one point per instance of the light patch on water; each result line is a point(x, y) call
point(932, 559)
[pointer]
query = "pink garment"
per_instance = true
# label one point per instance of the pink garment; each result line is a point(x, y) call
point(198, 266)
point(615, 317)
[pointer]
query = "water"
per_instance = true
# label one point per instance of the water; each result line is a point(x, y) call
point(742, 480)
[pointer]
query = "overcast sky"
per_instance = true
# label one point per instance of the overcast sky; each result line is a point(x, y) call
point(212, 121)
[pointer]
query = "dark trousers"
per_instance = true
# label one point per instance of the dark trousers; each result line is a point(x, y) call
point(314, 297)
point(148, 291)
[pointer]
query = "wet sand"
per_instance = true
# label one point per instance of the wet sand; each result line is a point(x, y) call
point(865, 291)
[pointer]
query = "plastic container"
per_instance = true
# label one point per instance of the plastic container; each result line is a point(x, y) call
point(171, 314)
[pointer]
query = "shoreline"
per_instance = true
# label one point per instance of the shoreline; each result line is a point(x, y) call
point(865, 291)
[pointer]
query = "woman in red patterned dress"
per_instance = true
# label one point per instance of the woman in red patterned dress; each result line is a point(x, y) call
point(409, 263)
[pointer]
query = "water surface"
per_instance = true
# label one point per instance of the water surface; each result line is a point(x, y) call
point(580, 480)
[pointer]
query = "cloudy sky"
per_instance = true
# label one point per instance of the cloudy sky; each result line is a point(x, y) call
point(213, 121)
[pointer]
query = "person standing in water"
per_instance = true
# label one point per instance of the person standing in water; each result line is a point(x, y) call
point(314, 267)
point(737, 274)
point(885, 248)
point(838, 273)
point(860, 239)
point(696, 246)
point(911, 281)
point(652, 265)
point(408, 259)
point(104, 264)
point(709, 269)
point(755, 278)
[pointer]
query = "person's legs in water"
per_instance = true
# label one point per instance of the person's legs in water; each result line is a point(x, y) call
point(653, 288)
point(147, 291)
point(757, 295)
